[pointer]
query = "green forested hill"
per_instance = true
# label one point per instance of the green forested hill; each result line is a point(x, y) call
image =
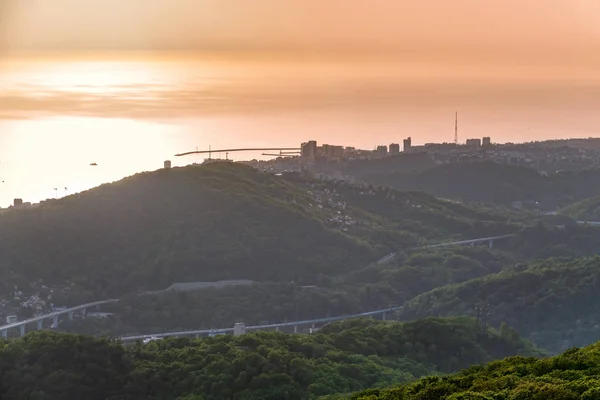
point(496, 183)
point(346, 357)
point(369, 288)
point(554, 302)
point(541, 242)
point(187, 224)
point(584, 210)
point(214, 222)
point(573, 375)
point(376, 286)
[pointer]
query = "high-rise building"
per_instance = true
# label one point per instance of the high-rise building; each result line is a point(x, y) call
point(487, 141)
point(407, 144)
point(394, 148)
point(332, 152)
point(337, 152)
point(382, 150)
point(167, 164)
point(308, 150)
point(474, 142)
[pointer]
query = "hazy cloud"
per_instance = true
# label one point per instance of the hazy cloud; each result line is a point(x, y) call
point(541, 26)
point(140, 102)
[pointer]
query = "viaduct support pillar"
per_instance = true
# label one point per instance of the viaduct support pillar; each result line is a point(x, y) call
point(71, 316)
point(383, 317)
point(40, 324)
point(295, 328)
point(55, 321)
point(239, 328)
point(22, 329)
point(83, 312)
point(491, 244)
point(4, 333)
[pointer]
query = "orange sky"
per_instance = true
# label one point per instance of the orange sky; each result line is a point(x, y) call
point(514, 69)
point(541, 29)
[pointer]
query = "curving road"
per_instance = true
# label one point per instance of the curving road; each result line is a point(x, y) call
point(490, 240)
point(54, 315)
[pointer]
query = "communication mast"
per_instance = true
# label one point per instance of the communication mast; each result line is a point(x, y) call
point(456, 127)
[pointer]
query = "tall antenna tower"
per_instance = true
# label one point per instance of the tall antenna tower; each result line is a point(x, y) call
point(456, 127)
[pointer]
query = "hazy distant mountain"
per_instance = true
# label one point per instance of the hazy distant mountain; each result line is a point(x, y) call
point(497, 183)
point(553, 303)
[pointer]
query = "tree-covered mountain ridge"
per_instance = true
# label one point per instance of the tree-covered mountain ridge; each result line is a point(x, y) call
point(496, 183)
point(373, 287)
point(552, 302)
point(584, 210)
point(219, 221)
point(573, 375)
point(379, 285)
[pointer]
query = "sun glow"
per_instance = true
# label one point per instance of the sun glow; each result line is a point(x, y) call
point(95, 77)
point(59, 152)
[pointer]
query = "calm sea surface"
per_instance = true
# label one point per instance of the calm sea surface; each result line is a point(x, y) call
point(59, 115)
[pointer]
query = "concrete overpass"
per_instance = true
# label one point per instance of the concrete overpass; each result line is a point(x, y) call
point(490, 241)
point(591, 223)
point(470, 242)
point(53, 316)
point(294, 324)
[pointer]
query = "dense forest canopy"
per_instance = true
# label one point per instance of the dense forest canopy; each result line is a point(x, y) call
point(584, 210)
point(553, 302)
point(573, 375)
point(342, 358)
